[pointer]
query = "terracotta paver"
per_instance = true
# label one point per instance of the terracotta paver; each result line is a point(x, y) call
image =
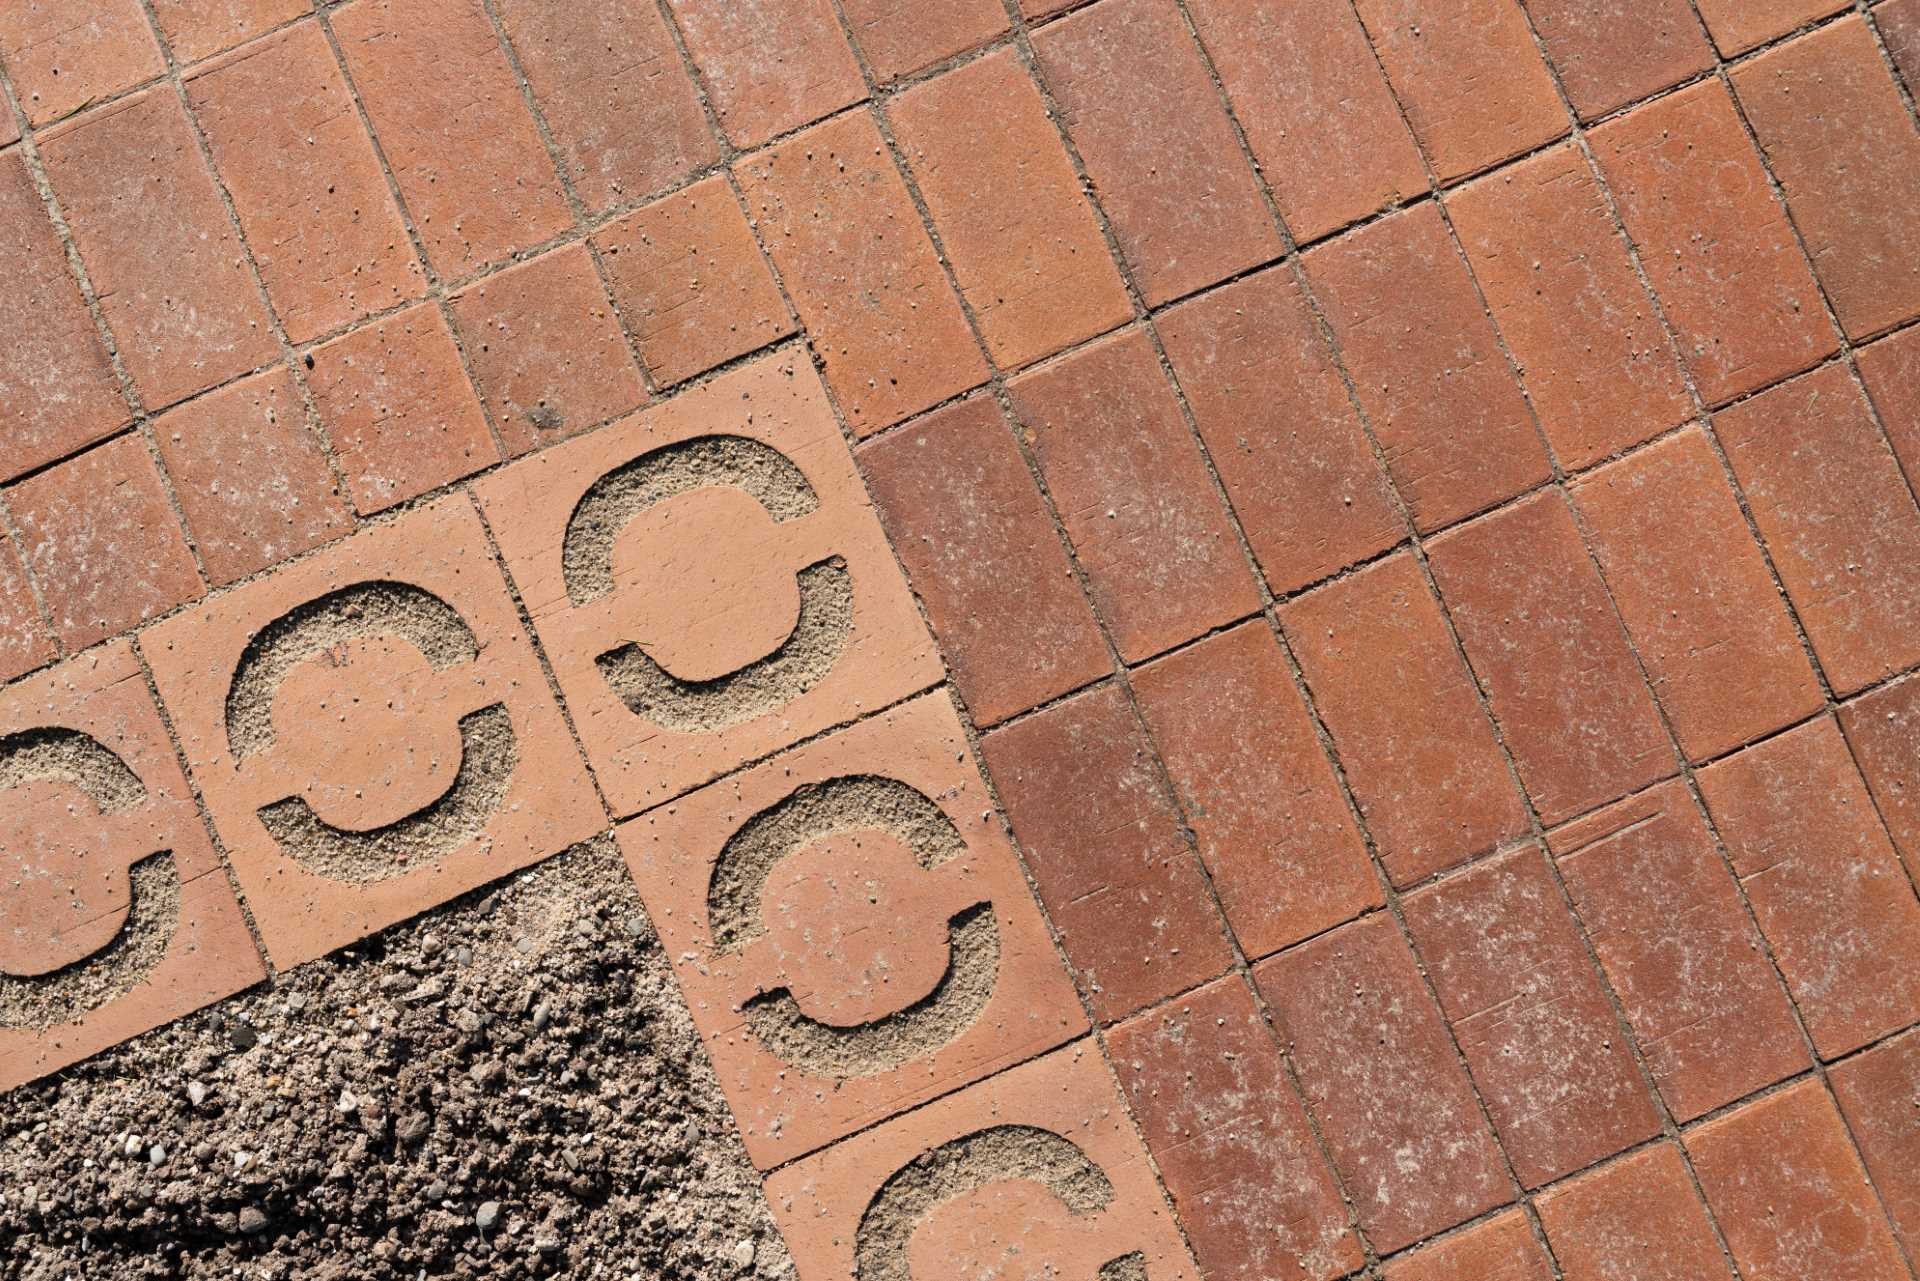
point(708, 581)
point(1899, 24)
point(196, 29)
point(291, 692)
point(1612, 55)
point(60, 60)
point(851, 930)
point(25, 642)
point(1883, 732)
point(769, 67)
point(1890, 368)
point(1038, 1168)
point(1876, 1093)
point(1501, 1249)
point(899, 39)
point(1637, 1217)
point(1739, 25)
point(117, 916)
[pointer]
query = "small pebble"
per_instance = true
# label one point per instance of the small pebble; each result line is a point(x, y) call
point(487, 1216)
point(253, 1220)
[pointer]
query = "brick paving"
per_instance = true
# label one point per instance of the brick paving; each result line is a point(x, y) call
point(1222, 645)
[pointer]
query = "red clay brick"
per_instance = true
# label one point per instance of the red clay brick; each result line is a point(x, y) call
point(1610, 55)
point(250, 476)
point(900, 38)
point(1531, 1016)
point(60, 58)
point(452, 124)
point(57, 390)
point(102, 542)
point(1825, 883)
point(399, 410)
point(1687, 964)
point(67, 861)
point(1446, 409)
point(691, 283)
point(1060, 1187)
point(1501, 1249)
point(1104, 845)
point(1231, 1138)
point(1147, 123)
point(1423, 764)
point(615, 93)
point(1696, 597)
point(969, 526)
point(1281, 65)
point(1563, 290)
point(1258, 792)
point(858, 918)
point(1161, 560)
point(726, 590)
point(1739, 25)
point(1789, 1192)
point(1714, 241)
point(1035, 270)
point(1840, 140)
point(1891, 370)
point(1538, 629)
point(769, 67)
point(1276, 419)
point(306, 183)
point(1638, 1218)
point(1899, 23)
point(1877, 1093)
point(837, 219)
point(1437, 60)
point(547, 353)
point(197, 29)
point(1837, 516)
point(24, 640)
point(165, 264)
point(1393, 1103)
point(1883, 729)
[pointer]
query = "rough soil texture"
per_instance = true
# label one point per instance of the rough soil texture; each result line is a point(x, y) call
point(510, 1088)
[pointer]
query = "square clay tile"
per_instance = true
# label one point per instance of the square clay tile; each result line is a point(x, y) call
point(851, 929)
point(62, 54)
point(709, 581)
point(115, 912)
point(1036, 1173)
point(1638, 1218)
point(371, 731)
point(1501, 1249)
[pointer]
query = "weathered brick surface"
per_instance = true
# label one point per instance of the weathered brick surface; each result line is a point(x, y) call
point(24, 640)
point(1890, 368)
point(1638, 1217)
point(1883, 730)
point(60, 59)
point(899, 39)
point(1610, 55)
point(1899, 24)
point(197, 29)
point(1739, 25)
point(1501, 1249)
point(769, 67)
point(1877, 1092)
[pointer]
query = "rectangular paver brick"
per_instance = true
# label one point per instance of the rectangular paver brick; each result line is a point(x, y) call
point(1448, 414)
point(1883, 729)
point(1610, 55)
point(102, 541)
point(1423, 763)
point(1890, 368)
point(899, 37)
point(969, 525)
point(1739, 25)
point(57, 390)
point(1638, 1217)
point(1899, 23)
point(1678, 947)
point(1877, 1093)
point(115, 851)
point(1790, 1194)
point(367, 749)
point(1437, 57)
point(1838, 518)
point(1037, 1169)
point(1307, 90)
point(1036, 270)
point(709, 581)
point(1714, 241)
point(1162, 562)
point(615, 93)
point(1595, 358)
point(61, 58)
point(1695, 594)
point(399, 410)
point(1158, 147)
point(1258, 792)
point(163, 258)
point(1280, 428)
point(770, 65)
point(1530, 1013)
point(25, 642)
point(1828, 888)
point(197, 29)
point(252, 481)
point(691, 283)
point(547, 352)
point(1537, 626)
point(1845, 150)
point(304, 179)
point(1501, 1249)
point(1210, 1090)
point(453, 126)
point(1394, 1105)
point(1103, 842)
point(839, 223)
point(851, 930)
